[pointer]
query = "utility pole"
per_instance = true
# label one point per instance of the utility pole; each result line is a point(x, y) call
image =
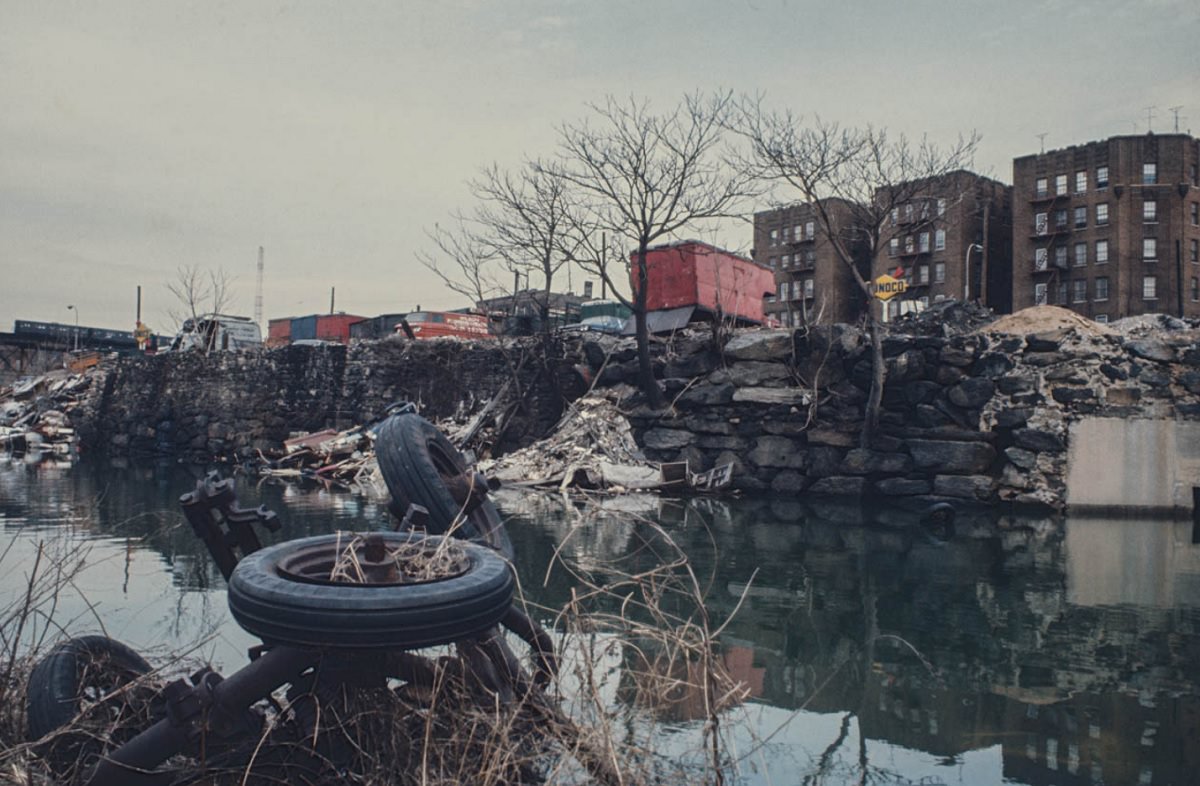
point(258, 291)
point(1175, 111)
point(1150, 119)
point(1042, 138)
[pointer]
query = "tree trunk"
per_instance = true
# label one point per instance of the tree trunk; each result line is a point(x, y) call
point(649, 385)
point(875, 397)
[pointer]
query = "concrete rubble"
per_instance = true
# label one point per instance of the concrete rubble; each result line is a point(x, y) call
point(35, 415)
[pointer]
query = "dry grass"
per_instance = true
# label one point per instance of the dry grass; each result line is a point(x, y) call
point(637, 644)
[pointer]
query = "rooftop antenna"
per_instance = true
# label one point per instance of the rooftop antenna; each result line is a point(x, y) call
point(1042, 138)
point(1175, 111)
point(258, 290)
point(1150, 118)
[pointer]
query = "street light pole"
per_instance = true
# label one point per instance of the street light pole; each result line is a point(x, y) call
point(967, 270)
point(72, 308)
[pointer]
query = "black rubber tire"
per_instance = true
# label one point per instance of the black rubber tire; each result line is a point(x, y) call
point(413, 457)
point(59, 679)
point(281, 609)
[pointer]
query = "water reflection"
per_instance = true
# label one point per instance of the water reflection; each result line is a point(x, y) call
point(1022, 650)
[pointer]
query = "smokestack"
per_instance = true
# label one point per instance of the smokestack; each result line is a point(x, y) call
point(331, 291)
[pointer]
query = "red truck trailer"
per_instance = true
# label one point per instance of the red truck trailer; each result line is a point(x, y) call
point(692, 281)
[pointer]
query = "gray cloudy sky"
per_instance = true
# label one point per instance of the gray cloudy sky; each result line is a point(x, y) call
point(136, 137)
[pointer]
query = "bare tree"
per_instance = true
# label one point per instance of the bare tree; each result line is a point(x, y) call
point(464, 261)
point(640, 178)
point(198, 292)
point(871, 172)
point(522, 221)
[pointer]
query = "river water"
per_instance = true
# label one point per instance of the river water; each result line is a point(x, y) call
point(1021, 651)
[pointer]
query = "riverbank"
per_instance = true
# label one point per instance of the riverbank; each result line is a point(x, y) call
point(975, 411)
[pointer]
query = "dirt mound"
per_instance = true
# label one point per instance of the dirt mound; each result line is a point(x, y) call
point(1039, 319)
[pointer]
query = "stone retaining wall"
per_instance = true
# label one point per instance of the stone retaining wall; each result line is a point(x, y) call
point(978, 417)
point(232, 404)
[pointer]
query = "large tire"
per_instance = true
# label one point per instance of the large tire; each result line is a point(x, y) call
point(271, 603)
point(417, 463)
point(60, 682)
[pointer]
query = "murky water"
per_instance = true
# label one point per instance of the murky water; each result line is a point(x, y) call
point(1027, 652)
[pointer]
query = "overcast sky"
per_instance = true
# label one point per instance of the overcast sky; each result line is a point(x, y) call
point(138, 137)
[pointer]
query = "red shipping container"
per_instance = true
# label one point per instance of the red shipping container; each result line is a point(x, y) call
point(335, 327)
point(706, 278)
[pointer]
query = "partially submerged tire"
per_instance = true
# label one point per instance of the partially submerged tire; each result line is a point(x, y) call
point(275, 594)
point(419, 465)
point(74, 673)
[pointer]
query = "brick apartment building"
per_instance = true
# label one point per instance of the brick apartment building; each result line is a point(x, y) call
point(1110, 228)
point(813, 285)
point(947, 237)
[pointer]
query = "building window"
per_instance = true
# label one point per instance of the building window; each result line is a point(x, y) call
point(1080, 293)
point(1101, 177)
point(810, 257)
point(771, 261)
point(1196, 214)
point(774, 237)
point(783, 290)
point(895, 215)
point(1102, 288)
point(939, 240)
point(908, 244)
point(1081, 182)
point(1195, 288)
point(785, 261)
point(1060, 219)
point(810, 230)
point(1041, 223)
point(1149, 174)
point(1041, 187)
point(924, 237)
point(1195, 251)
point(795, 290)
point(893, 247)
point(1149, 287)
point(1039, 294)
point(1060, 256)
point(1101, 214)
point(1060, 184)
point(1062, 293)
point(1101, 252)
point(1081, 217)
point(939, 272)
point(1150, 211)
point(923, 274)
point(1080, 254)
point(941, 207)
point(1040, 259)
point(1149, 249)
point(1102, 318)
point(808, 287)
point(908, 211)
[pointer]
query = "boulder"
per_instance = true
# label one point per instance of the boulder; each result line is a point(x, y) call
point(840, 487)
point(788, 396)
point(1151, 349)
point(1038, 441)
point(707, 395)
point(972, 393)
point(760, 345)
point(752, 373)
point(902, 487)
point(978, 487)
point(667, 439)
point(946, 456)
point(868, 462)
point(772, 451)
point(1025, 459)
point(788, 482)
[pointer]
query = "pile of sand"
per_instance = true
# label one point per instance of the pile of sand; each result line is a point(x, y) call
point(1040, 319)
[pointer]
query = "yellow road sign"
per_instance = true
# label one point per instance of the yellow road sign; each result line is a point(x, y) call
point(886, 287)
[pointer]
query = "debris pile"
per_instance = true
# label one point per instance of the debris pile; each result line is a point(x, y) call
point(948, 318)
point(345, 458)
point(35, 414)
point(1042, 319)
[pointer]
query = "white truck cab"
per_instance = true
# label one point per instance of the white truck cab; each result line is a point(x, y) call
point(211, 332)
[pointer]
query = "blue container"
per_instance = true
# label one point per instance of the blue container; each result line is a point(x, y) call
point(304, 328)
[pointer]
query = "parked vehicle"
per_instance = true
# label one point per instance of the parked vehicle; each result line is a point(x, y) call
point(439, 324)
point(217, 331)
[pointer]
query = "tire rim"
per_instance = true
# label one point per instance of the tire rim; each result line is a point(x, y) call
point(315, 563)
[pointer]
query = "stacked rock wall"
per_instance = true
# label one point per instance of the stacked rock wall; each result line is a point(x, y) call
point(232, 404)
point(981, 417)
